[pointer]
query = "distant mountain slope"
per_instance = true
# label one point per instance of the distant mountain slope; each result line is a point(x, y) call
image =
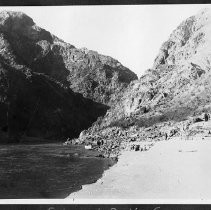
point(42, 78)
point(177, 86)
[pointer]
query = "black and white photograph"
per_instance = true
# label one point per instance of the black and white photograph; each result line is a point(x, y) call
point(105, 102)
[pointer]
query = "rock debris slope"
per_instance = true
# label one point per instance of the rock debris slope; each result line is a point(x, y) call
point(49, 88)
point(176, 88)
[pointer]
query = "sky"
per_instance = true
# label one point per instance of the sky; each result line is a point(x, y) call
point(132, 34)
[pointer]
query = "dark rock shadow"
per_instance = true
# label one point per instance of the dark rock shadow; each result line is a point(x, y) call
point(36, 105)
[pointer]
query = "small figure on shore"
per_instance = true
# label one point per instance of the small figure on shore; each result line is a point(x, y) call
point(98, 143)
point(137, 147)
point(166, 136)
point(206, 117)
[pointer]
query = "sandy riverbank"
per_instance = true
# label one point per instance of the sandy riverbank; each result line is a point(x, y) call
point(174, 169)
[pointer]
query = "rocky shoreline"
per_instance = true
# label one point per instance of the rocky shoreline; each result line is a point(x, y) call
point(110, 142)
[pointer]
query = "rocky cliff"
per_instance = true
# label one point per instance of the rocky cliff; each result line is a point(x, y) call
point(32, 104)
point(176, 88)
point(178, 84)
point(95, 76)
point(49, 88)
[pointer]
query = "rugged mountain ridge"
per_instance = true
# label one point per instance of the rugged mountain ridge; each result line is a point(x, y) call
point(49, 88)
point(179, 79)
point(95, 76)
point(175, 89)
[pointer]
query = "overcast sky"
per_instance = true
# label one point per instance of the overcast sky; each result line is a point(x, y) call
point(130, 34)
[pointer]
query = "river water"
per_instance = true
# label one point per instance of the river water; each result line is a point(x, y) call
point(47, 170)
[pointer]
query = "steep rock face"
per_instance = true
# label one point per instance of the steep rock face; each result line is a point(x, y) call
point(178, 85)
point(104, 82)
point(95, 76)
point(189, 42)
point(43, 80)
point(33, 104)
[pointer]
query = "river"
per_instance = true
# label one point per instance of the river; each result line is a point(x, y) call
point(49, 170)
